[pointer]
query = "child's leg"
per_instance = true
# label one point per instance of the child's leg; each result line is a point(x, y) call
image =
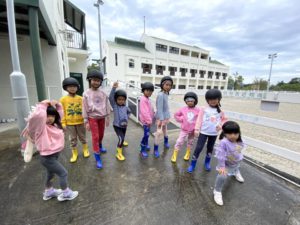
point(121, 135)
point(95, 134)
point(220, 181)
point(210, 144)
point(190, 142)
point(101, 128)
point(82, 137)
point(210, 147)
point(81, 133)
point(146, 135)
point(179, 143)
point(166, 138)
point(200, 144)
point(73, 140)
point(180, 140)
point(53, 166)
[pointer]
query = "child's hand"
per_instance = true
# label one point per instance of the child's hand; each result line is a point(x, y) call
point(54, 103)
point(196, 133)
point(115, 84)
point(222, 171)
point(46, 101)
point(219, 127)
point(64, 129)
point(87, 127)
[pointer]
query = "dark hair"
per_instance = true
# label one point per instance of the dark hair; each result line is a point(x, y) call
point(231, 127)
point(51, 111)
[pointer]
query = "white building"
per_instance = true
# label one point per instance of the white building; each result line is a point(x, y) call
point(60, 52)
point(151, 58)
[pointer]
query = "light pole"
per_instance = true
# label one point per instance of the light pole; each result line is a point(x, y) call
point(271, 56)
point(17, 78)
point(98, 4)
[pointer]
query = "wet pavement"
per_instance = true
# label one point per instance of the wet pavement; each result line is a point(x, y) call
point(136, 191)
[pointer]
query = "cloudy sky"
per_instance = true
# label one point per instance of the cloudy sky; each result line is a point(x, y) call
point(239, 33)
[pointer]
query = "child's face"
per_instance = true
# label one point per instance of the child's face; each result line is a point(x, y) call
point(167, 86)
point(213, 102)
point(121, 100)
point(148, 93)
point(232, 137)
point(72, 89)
point(190, 103)
point(95, 83)
point(50, 119)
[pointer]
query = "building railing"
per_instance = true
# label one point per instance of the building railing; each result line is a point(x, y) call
point(75, 39)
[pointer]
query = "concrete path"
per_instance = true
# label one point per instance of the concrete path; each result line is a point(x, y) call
point(151, 191)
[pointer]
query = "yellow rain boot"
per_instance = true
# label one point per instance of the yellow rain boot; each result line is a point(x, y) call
point(85, 150)
point(174, 156)
point(125, 144)
point(74, 155)
point(119, 154)
point(187, 154)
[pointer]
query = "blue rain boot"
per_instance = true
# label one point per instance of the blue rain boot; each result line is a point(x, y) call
point(148, 148)
point(156, 151)
point(102, 149)
point(192, 166)
point(98, 161)
point(207, 162)
point(144, 153)
point(166, 142)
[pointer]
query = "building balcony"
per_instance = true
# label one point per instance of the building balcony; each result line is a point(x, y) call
point(75, 39)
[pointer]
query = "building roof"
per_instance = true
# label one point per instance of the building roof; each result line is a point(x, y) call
point(216, 62)
point(129, 44)
point(191, 46)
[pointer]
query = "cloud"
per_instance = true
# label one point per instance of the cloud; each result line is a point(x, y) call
point(238, 33)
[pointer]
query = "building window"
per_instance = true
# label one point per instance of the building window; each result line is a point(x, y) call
point(174, 86)
point(174, 50)
point(224, 76)
point(204, 56)
point(215, 87)
point(193, 72)
point(172, 70)
point(210, 74)
point(161, 48)
point(202, 73)
point(116, 59)
point(131, 84)
point(183, 71)
point(181, 86)
point(131, 63)
point(218, 74)
point(195, 54)
point(222, 88)
point(160, 69)
point(208, 87)
point(185, 52)
point(146, 67)
point(200, 87)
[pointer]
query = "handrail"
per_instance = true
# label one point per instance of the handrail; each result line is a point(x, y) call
point(264, 121)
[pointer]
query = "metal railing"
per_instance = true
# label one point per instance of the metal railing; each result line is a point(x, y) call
point(258, 120)
point(75, 39)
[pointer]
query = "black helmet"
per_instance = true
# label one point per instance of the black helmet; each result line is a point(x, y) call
point(94, 74)
point(213, 94)
point(191, 95)
point(165, 78)
point(119, 93)
point(70, 81)
point(147, 86)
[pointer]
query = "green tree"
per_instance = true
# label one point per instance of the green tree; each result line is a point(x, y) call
point(230, 84)
point(93, 66)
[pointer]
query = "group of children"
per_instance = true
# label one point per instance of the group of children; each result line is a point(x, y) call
point(75, 114)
